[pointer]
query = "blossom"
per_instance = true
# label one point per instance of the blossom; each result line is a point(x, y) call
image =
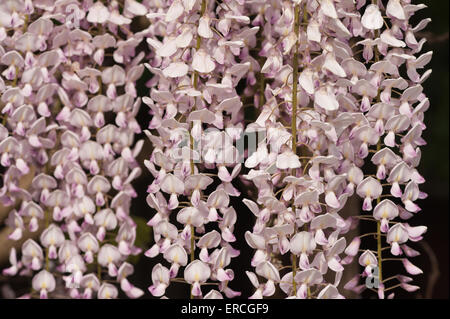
point(55, 129)
point(44, 282)
point(385, 210)
point(369, 188)
point(390, 117)
point(196, 118)
point(327, 93)
point(161, 279)
point(196, 273)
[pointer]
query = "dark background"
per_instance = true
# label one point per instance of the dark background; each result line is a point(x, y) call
point(435, 158)
point(434, 259)
point(434, 248)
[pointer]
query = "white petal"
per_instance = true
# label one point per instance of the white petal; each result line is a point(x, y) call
point(328, 8)
point(395, 9)
point(372, 18)
point(176, 69)
point(334, 67)
point(326, 100)
point(175, 11)
point(203, 28)
point(306, 81)
point(202, 62)
point(168, 48)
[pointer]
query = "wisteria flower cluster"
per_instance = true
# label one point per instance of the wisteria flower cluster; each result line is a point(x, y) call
point(307, 103)
point(197, 118)
point(69, 105)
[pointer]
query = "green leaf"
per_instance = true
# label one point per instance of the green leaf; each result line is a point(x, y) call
point(143, 237)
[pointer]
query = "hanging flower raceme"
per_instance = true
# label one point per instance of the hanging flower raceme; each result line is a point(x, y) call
point(196, 121)
point(76, 143)
point(307, 103)
point(390, 127)
point(344, 108)
point(303, 169)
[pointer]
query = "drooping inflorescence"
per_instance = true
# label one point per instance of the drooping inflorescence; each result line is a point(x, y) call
point(68, 124)
point(392, 125)
point(299, 168)
point(307, 103)
point(197, 118)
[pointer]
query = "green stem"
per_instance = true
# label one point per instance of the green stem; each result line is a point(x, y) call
point(379, 251)
point(99, 271)
point(25, 23)
point(295, 81)
point(192, 255)
point(379, 247)
point(262, 84)
point(379, 243)
point(14, 83)
point(199, 42)
point(191, 138)
point(191, 145)
point(47, 260)
point(195, 84)
point(294, 120)
point(261, 77)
